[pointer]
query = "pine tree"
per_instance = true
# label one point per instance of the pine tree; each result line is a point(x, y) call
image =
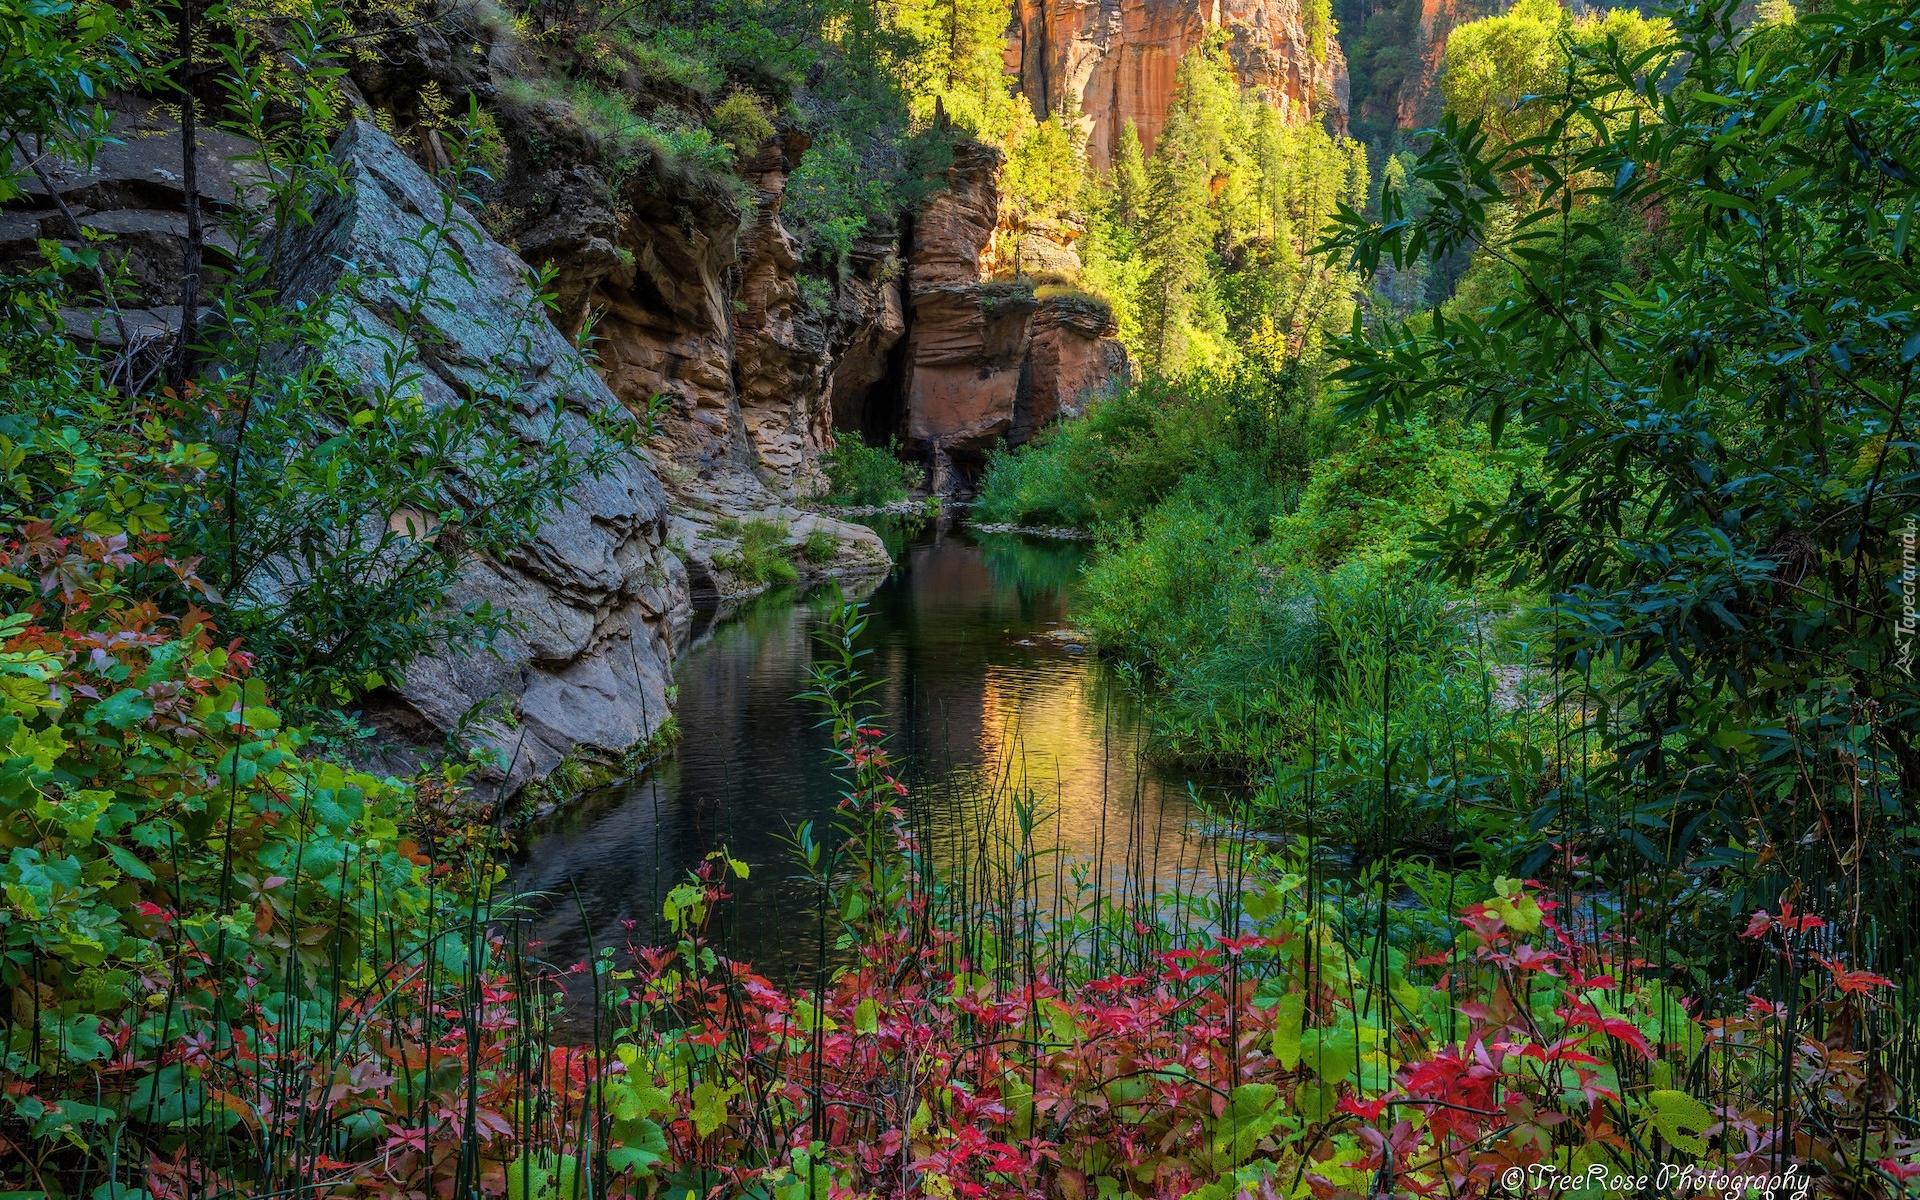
point(955, 62)
point(1129, 180)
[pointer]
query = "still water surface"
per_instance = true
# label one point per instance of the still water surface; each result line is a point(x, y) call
point(982, 705)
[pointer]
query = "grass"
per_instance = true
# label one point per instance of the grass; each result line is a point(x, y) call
point(627, 141)
point(820, 547)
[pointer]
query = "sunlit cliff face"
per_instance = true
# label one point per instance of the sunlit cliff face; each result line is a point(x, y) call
point(1115, 62)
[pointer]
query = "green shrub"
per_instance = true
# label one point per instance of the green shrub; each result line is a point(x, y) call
point(760, 554)
point(1133, 447)
point(820, 547)
point(1370, 500)
point(741, 121)
point(861, 474)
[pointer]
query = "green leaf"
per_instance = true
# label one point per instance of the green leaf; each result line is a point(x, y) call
point(1680, 1119)
point(1286, 1030)
point(709, 1108)
point(543, 1177)
point(1332, 1054)
point(641, 1146)
point(127, 861)
point(166, 1096)
point(1251, 1114)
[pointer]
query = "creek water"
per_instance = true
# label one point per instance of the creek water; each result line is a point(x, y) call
point(985, 705)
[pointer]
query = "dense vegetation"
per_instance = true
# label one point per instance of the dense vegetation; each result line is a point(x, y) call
point(1594, 556)
point(1587, 574)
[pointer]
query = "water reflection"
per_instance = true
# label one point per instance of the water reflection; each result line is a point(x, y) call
point(985, 707)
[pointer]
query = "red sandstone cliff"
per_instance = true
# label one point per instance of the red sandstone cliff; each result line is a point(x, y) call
point(1114, 61)
point(988, 360)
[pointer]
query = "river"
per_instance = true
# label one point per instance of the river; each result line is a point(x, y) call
point(985, 704)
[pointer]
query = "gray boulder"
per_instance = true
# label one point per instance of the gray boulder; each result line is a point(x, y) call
point(596, 592)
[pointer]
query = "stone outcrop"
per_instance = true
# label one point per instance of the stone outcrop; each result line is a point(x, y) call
point(1114, 61)
point(989, 360)
point(595, 590)
point(131, 193)
point(1071, 356)
point(697, 316)
point(967, 336)
point(692, 293)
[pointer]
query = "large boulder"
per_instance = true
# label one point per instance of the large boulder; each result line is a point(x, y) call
point(595, 589)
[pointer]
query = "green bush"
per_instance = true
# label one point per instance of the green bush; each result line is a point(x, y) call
point(1370, 500)
point(1132, 448)
point(820, 547)
point(741, 121)
point(760, 554)
point(861, 474)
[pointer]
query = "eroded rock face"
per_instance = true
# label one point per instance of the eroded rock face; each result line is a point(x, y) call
point(699, 305)
point(1071, 358)
point(779, 345)
point(1114, 61)
point(596, 588)
point(132, 193)
point(987, 360)
point(966, 336)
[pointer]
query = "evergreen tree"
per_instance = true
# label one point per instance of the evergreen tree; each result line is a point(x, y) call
point(1233, 202)
point(1177, 239)
point(1129, 176)
point(954, 63)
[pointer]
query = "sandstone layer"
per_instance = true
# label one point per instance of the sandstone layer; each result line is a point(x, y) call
point(1107, 62)
point(695, 309)
point(990, 360)
point(132, 196)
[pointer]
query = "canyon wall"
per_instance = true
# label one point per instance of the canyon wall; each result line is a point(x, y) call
point(1107, 62)
point(990, 358)
point(691, 292)
point(595, 592)
point(1394, 52)
point(957, 331)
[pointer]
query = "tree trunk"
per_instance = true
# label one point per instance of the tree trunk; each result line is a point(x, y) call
point(183, 351)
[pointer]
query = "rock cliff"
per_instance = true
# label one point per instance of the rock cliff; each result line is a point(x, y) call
point(693, 297)
point(595, 589)
point(131, 196)
point(1394, 53)
point(990, 359)
point(1113, 61)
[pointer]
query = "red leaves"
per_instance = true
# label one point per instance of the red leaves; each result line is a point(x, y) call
point(1762, 922)
point(1579, 1015)
point(1858, 983)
